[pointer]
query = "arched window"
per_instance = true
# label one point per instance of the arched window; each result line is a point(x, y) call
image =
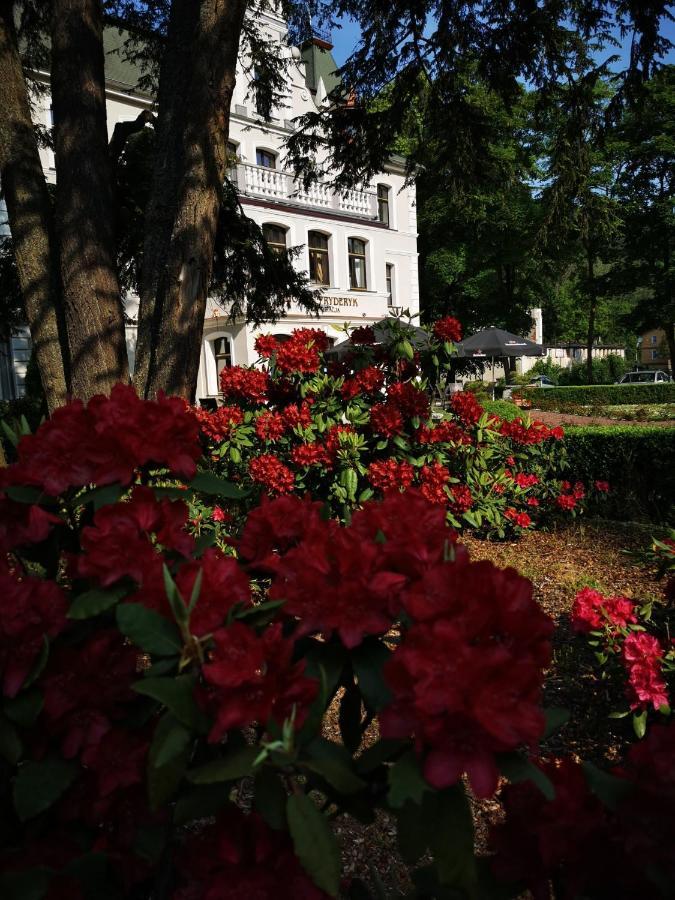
point(222, 352)
point(383, 204)
point(266, 158)
point(319, 266)
point(275, 236)
point(357, 264)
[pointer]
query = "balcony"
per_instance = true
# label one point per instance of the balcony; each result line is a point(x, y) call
point(278, 186)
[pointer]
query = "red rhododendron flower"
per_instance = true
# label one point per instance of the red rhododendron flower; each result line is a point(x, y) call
point(266, 345)
point(301, 353)
point(332, 440)
point(642, 655)
point(566, 501)
point(333, 582)
point(521, 519)
point(446, 432)
point(269, 426)
point(23, 523)
point(389, 474)
point(309, 455)
point(362, 335)
point(558, 432)
point(448, 329)
point(31, 610)
point(239, 383)
point(386, 419)
point(269, 471)
point(367, 381)
point(462, 498)
point(276, 526)
point(117, 761)
point(106, 442)
point(412, 402)
point(219, 515)
point(219, 424)
point(592, 611)
point(466, 679)
point(238, 856)
point(296, 416)
point(579, 491)
point(252, 678)
point(434, 478)
point(532, 501)
point(525, 481)
point(465, 406)
point(223, 586)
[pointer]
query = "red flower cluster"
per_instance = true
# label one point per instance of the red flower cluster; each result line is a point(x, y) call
point(106, 442)
point(465, 406)
point(275, 526)
point(462, 498)
point(642, 655)
point(309, 455)
point(529, 433)
point(22, 524)
point(239, 856)
point(367, 381)
point(592, 611)
point(269, 471)
point(525, 481)
point(446, 432)
point(386, 419)
point(434, 478)
point(247, 385)
point(362, 335)
point(296, 416)
point(30, 611)
point(270, 426)
point(219, 424)
point(252, 678)
point(410, 400)
point(602, 487)
point(467, 677)
point(389, 474)
point(566, 501)
point(224, 585)
point(448, 329)
point(302, 352)
point(521, 519)
point(266, 345)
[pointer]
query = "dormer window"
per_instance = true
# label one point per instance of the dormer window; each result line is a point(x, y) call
point(383, 204)
point(266, 158)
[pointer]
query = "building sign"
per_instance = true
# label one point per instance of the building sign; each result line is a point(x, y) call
point(338, 304)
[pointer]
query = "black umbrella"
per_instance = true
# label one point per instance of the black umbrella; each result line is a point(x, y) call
point(495, 342)
point(384, 332)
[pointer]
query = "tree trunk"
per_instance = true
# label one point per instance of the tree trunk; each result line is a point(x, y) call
point(30, 218)
point(84, 200)
point(197, 80)
point(669, 328)
point(592, 307)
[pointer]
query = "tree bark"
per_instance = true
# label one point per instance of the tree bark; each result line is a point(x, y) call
point(197, 80)
point(84, 200)
point(669, 328)
point(30, 218)
point(592, 305)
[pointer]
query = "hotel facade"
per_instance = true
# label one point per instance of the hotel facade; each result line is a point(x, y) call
point(358, 247)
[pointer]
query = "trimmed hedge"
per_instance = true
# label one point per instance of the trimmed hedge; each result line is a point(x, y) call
point(637, 460)
point(602, 394)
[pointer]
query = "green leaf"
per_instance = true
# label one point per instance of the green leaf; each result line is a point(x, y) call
point(556, 717)
point(177, 695)
point(270, 797)
point(169, 741)
point(516, 768)
point(176, 601)
point(201, 803)
point(640, 724)
point(229, 768)
point(10, 742)
point(406, 781)
point(451, 839)
point(39, 784)
point(378, 754)
point(164, 781)
point(411, 831)
point(94, 602)
point(608, 788)
point(21, 493)
point(208, 483)
point(401, 443)
point(334, 763)
point(368, 660)
point(39, 664)
point(101, 496)
point(31, 884)
point(235, 455)
point(148, 629)
point(314, 843)
point(24, 708)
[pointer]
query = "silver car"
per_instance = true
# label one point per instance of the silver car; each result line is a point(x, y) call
point(654, 376)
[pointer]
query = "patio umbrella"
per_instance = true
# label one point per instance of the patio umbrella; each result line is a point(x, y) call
point(495, 343)
point(382, 330)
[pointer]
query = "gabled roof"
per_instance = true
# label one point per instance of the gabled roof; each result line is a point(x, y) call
point(320, 65)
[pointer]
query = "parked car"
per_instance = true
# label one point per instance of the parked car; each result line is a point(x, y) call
point(653, 376)
point(541, 381)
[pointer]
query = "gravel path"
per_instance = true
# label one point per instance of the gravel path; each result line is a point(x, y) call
point(549, 417)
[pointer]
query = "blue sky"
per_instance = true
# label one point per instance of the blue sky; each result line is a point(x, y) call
point(346, 38)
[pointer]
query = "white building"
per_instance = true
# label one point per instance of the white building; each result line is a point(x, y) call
point(359, 247)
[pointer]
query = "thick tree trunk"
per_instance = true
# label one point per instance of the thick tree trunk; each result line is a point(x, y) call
point(84, 200)
point(197, 80)
point(30, 217)
point(592, 306)
point(669, 328)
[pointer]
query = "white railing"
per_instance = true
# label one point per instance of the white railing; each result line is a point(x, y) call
point(259, 181)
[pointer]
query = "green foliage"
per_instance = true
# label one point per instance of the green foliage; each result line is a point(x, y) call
point(638, 461)
point(614, 394)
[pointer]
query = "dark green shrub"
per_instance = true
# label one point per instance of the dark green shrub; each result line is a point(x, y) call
point(637, 460)
point(603, 394)
point(606, 370)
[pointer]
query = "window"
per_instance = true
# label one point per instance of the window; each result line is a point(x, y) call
point(655, 354)
point(390, 284)
point(275, 236)
point(232, 153)
point(319, 268)
point(222, 351)
point(383, 204)
point(653, 339)
point(357, 264)
point(266, 158)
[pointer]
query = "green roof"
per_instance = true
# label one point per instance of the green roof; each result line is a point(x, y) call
point(320, 65)
point(118, 69)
